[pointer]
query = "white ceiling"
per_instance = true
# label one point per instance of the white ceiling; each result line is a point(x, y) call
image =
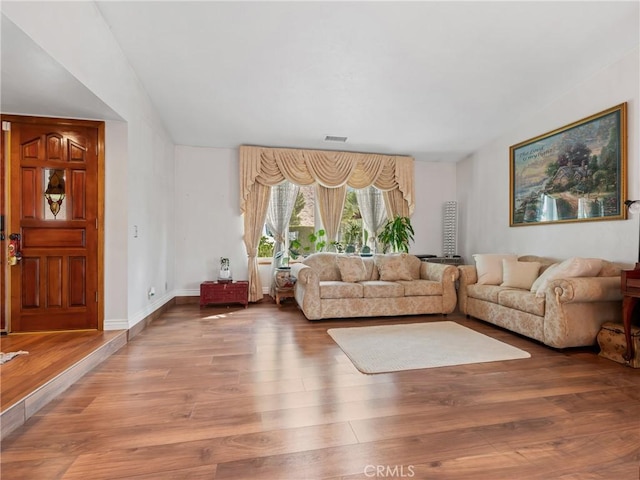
point(436, 80)
point(33, 83)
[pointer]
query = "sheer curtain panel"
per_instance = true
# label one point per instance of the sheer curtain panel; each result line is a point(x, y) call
point(281, 202)
point(372, 210)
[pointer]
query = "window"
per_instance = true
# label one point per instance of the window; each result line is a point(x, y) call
point(306, 234)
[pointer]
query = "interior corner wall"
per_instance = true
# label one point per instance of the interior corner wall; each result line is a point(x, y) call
point(483, 179)
point(139, 164)
point(208, 222)
point(435, 184)
point(115, 226)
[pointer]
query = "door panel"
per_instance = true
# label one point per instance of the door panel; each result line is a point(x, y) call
point(50, 238)
point(54, 206)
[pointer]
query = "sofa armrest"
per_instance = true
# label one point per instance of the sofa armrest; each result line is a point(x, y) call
point(303, 273)
point(446, 275)
point(438, 272)
point(575, 309)
point(307, 290)
point(468, 276)
point(584, 289)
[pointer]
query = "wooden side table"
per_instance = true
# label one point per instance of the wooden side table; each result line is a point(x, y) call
point(282, 293)
point(630, 286)
point(224, 292)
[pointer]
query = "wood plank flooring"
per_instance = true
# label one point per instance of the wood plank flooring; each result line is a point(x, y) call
point(53, 363)
point(261, 393)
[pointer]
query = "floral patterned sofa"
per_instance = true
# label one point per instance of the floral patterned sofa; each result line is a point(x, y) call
point(331, 285)
point(560, 304)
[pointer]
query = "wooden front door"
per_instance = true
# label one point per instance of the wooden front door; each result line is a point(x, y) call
point(54, 207)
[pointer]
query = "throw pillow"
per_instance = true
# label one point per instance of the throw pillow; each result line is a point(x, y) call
point(519, 274)
point(541, 282)
point(489, 267)
point(352, 269)
point(392, 268)
point(609, 269)
point(570, 268)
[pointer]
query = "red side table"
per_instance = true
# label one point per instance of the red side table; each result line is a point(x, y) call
point(217, 293)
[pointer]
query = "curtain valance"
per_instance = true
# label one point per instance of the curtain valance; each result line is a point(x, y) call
point(271, 166)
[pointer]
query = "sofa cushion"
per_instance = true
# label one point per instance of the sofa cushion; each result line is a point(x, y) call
point(519, 274)
point(543, 279)
point(351, 268)
point(325, 265)
point(382, 289)
point(393, 267)
point(333, 289)
point(522, 300)
point(485, 292)
point(489, 267)
point(417, 288)
point(570, 268)
point(370, 267)
point(412, 264)
point(609, 269)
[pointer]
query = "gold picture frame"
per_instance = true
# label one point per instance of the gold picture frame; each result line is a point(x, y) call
point(575, 173)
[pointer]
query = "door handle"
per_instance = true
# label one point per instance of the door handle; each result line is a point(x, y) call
point(14, 255)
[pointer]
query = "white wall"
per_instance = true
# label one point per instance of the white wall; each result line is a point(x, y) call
point(435, 185)
point(116, 274)
point(209, 224)
point(483, 179)
point(139, 155)
point(207, 220)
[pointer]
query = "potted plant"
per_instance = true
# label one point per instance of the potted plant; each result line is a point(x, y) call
point(365, 251)
point(352, 234)
point(397, 234)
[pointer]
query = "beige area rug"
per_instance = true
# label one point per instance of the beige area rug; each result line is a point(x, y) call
point(392, 348)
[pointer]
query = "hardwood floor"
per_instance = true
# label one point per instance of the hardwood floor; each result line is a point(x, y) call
point(262, 393)
point(54, 362)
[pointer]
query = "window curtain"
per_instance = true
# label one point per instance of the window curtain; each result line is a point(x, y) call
point(254, 218)
point(263, 167)
point(330, 204)
point(281, 202)
point(395, 204)
point(372, 209)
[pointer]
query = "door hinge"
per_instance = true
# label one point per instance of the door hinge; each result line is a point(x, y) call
point(96, 223)
point(6, 126)
point(96, 297)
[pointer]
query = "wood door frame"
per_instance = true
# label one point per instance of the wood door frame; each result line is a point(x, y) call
point(5, 185)
point(62, 122)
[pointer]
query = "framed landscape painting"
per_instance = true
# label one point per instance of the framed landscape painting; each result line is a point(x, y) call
point(573, 174)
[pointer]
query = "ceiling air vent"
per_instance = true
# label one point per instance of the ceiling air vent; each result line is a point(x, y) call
point(333, 138)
